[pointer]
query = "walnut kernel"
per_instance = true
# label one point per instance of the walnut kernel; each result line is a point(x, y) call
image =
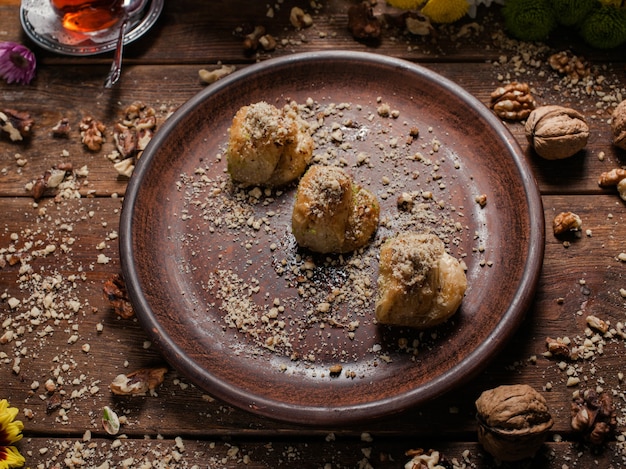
point(115, 291)
point(418, 24)
point(212, 76)
point(513, 101)
point(424, 459)
point(596, 323)
point(267, 42)
point(132, 135)
point(594, 415)
point(612, 178)
point(566, 222)
point(481, 199)
point(299, 19)
point(92, 133)
point(362, 23)
point(17, 124)
point(251, 40)
point(568, 64)
point(140, 381)
point(62, 128)
point(558, 348)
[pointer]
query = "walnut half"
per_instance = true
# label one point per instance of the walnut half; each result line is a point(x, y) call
point(615, 177)
point(92, 133)
point(566, 222)
point(513, 421)
point(513, 101)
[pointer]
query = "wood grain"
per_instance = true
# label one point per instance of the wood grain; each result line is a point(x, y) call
point(47, 103)
point(67, 248)
point(121, 347)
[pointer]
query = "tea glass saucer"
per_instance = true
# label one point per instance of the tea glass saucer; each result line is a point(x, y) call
point(42, 26)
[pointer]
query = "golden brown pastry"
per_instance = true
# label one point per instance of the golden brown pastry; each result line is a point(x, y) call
point(268, 146)
point(420, 285)
point(332, 214)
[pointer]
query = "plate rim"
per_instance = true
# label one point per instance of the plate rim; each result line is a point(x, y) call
point(510, 321)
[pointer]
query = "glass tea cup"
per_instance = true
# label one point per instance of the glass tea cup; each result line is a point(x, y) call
point(88, 16)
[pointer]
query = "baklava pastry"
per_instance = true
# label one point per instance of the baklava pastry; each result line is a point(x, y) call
point(331, 213)
point(419, 284)
point(268, 146)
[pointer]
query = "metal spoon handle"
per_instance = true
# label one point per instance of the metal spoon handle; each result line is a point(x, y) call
point(116, 66)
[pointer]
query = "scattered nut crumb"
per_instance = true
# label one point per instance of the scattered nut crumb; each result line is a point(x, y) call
point(212, 76)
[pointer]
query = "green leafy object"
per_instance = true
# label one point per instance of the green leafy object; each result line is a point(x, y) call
point(529, 20)
point(605, 27)
point(572, 12)
point(110, 421)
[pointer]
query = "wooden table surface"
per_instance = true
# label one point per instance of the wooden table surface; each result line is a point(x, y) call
point(61, 344)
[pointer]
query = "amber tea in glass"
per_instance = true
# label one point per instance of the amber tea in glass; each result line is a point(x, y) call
point(88, 16)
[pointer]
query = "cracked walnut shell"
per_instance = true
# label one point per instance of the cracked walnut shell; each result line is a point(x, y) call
point(618, 125)
point(513, 421)
point(556, 132)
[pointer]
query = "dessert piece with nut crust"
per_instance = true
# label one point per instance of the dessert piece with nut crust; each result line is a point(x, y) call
point(267, 146)
point(332, 214)
point(420, 285)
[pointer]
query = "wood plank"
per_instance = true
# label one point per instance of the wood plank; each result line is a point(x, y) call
point(186, 33)
point(277, 452)
point(49, 345)
point(47, 102)
point(63, 330)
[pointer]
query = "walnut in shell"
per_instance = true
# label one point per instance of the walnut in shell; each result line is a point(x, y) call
point(513, 421)
point(556, 132)
point(618, 125)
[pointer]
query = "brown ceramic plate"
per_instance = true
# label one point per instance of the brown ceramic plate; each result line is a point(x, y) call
point(221, 287)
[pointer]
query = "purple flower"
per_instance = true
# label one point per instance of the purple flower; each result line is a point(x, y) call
point(17, 63)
